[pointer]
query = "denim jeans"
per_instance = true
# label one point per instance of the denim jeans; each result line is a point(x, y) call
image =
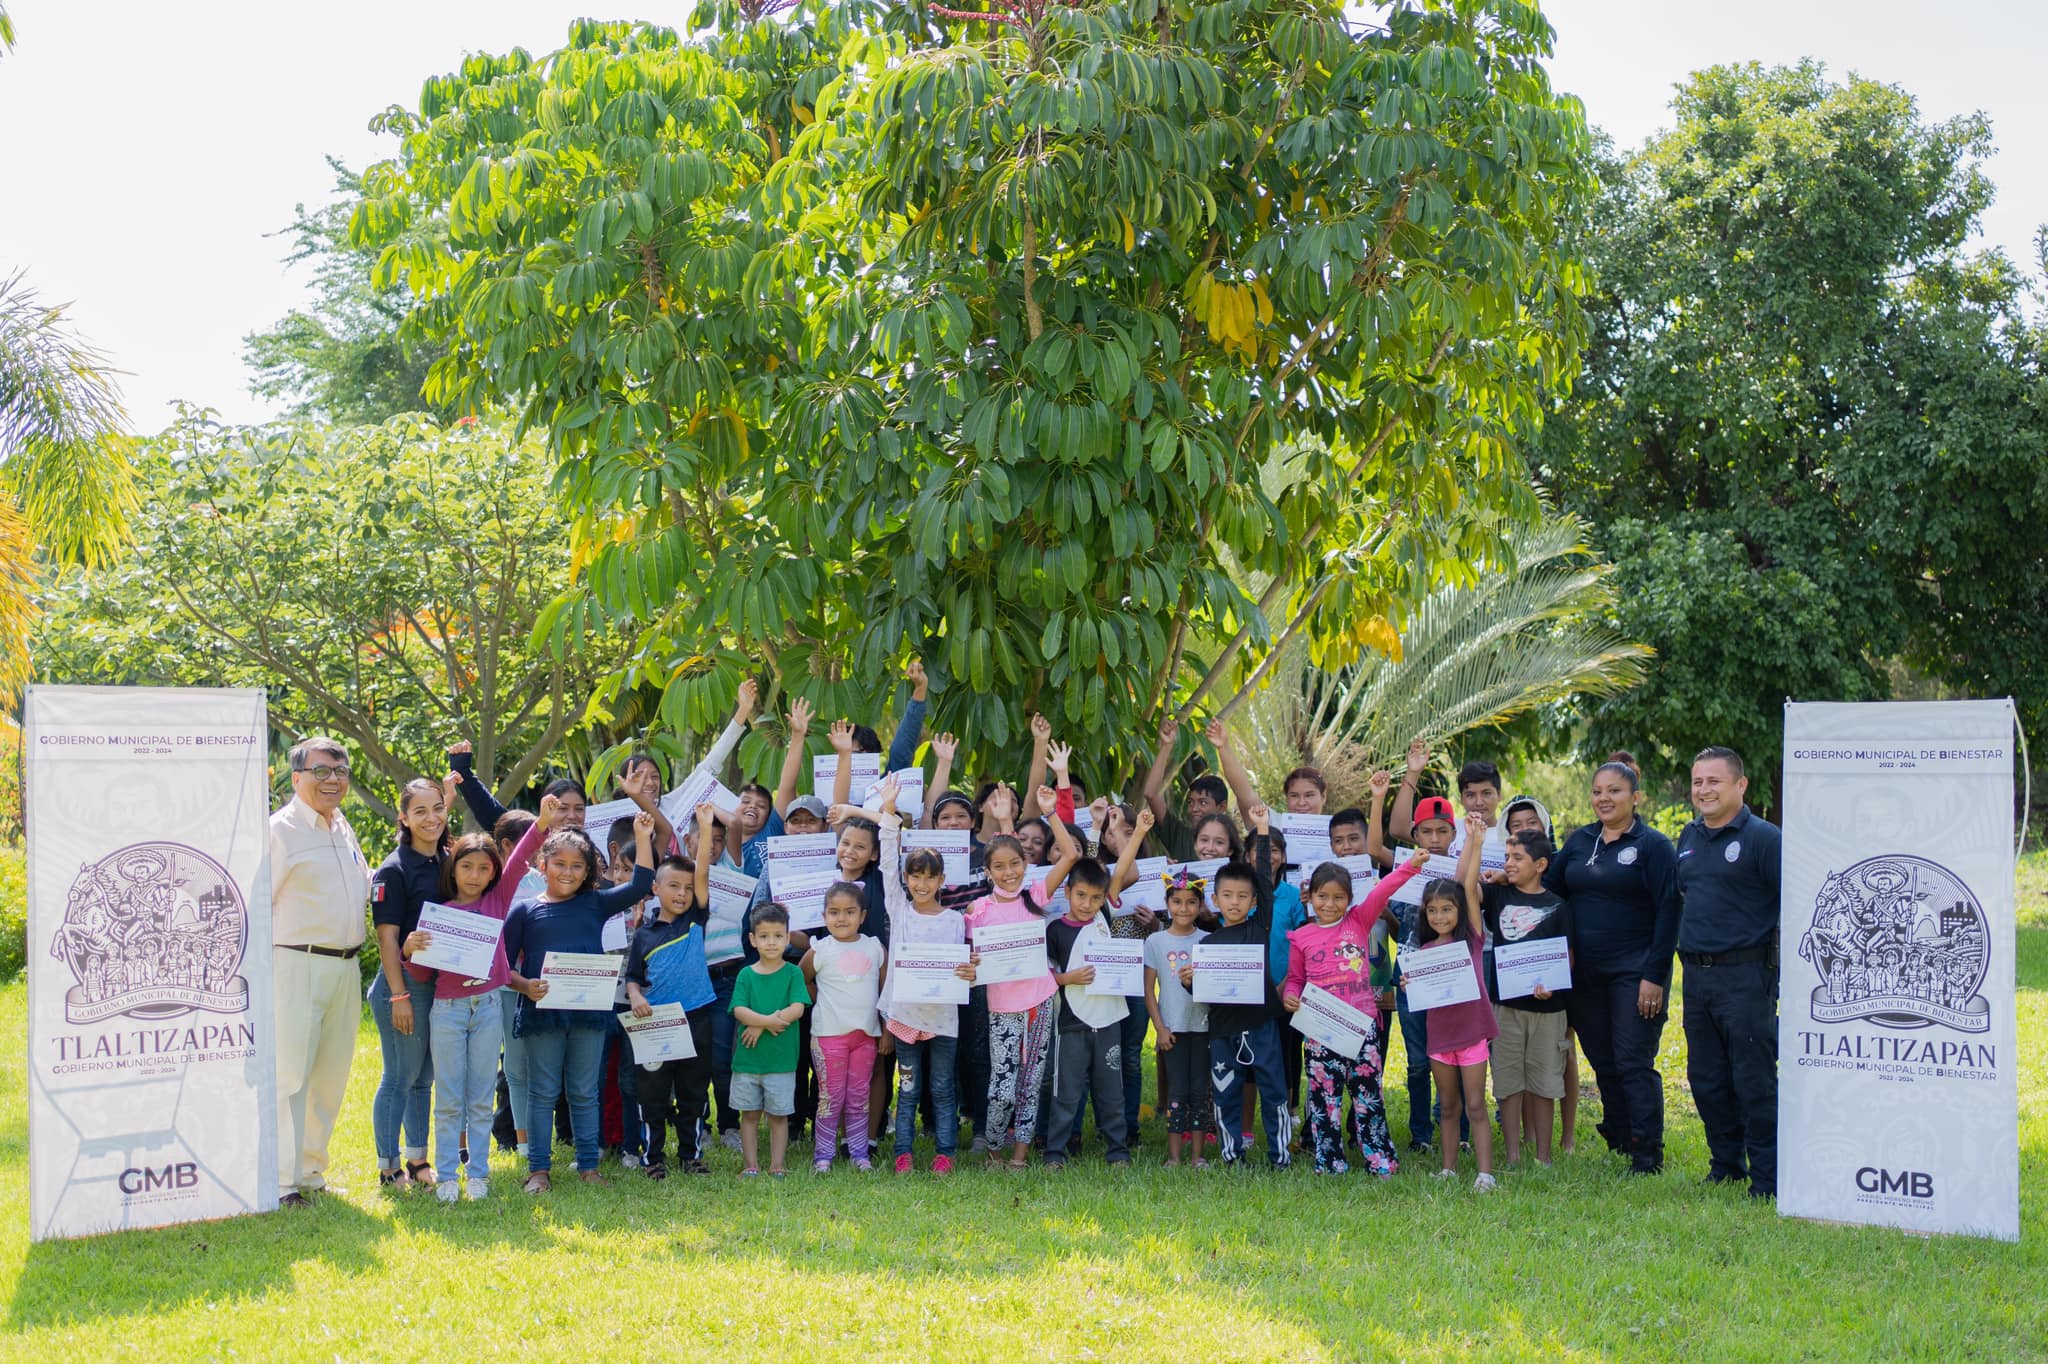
point(515, 1056)
point(929, 1062)
point(723, 1034)
point(465, 1037)
point(405, 1094)
point(563, 1060)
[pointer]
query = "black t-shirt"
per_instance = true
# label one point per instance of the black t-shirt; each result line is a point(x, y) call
point(407, 880)
point(1514, 916)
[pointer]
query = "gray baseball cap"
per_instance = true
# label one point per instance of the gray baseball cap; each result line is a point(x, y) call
point(809, 805)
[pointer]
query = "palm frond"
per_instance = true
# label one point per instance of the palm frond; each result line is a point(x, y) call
point(1471, 657)
point(19, 582)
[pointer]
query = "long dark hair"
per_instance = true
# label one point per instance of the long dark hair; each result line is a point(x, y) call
point(576, 841)
point(463, 847)
point(1444, 888)
point(1229, 829)
point(419, 786)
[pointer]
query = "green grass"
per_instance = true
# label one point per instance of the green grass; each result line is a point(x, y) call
point(1146, 1264)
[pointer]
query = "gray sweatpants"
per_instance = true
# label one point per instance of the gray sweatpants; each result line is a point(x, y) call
point(1083, 1058)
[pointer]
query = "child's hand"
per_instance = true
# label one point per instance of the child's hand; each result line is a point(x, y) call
point(1001, 804)
point(550, 811)
point(944, 747)
point(966, 972)
point(451, 787)
point(1187, 976)
point(634, 916)
point(1404, 980)
point(1261, 818)
point(1379, 783)
point(1540, 992)
point(459, 746)
point(535, 990)
point(1290, 1001)
point(1041, 728)
point(416, 941)
point(888, 793)
point(1046, 798)
point(743, 705)
point(1475, 827)
point(1418, 756)
point(1163, 1037)
point(1494, 876)
point(1147, 920)
point(1169, 730)
point(707, 815)
point(918, 683)
point(1058, 756)
point(839, 814)
point(1098, 814)
point(642, 1009)
point(800, 716)
point(1419, 858)
point(750, 1034)
point(842, 735)
point(1145, 821)
point(1215, 733)
point(643, 824)
point(1084, 976)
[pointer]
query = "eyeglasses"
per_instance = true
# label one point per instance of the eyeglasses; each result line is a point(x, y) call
point(325, 773)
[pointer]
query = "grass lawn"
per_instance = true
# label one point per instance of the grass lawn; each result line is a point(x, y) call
point(1143, 1264)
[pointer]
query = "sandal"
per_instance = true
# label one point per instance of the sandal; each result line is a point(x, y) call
point(393, 1179)
point(421, 1172)
point(590, 1176)
point(538, 1182)
point(1017, 1165)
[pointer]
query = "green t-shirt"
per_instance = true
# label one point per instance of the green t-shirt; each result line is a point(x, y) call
point(771, 1055)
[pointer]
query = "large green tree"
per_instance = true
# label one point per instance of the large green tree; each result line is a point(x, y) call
point(870, 333)
point(1811, 426)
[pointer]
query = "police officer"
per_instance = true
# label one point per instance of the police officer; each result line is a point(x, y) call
point(1728, 869)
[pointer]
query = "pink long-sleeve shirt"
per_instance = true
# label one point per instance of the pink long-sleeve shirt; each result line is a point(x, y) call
point(1338, 956)
point(495, 904)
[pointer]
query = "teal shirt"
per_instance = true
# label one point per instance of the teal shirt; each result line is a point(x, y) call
point(1288, 914)
point(772, 1055)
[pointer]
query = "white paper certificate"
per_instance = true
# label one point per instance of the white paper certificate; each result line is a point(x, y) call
point(580, 980)
point(1410, 892)
point(465, 944)
point(1439, 975)
point(923, 973)
point(1119, 966)
point(598, 820)
point(804, 898)
point(1308, 837)
point(1522, 966)
point(867, 769)
point(1230, 973)
point(909, 793)
point(615, 936)
point(1365, 874)
point(1147, 892)
point(953, 847)
point(680, 805)
point(1010, 952)
point(730, 892)
point(798, 855)
point(1329, 1022)
point(663, 1035)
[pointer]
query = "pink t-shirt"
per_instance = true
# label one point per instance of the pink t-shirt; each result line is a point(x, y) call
point(495, 904)
point(1012, 996)
point(1339, 957)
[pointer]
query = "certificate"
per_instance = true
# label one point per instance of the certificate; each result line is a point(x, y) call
point(1010, 952)
point(731, 892)
point(663, 1035)
point(598, 820)
point(615, 936)
point(1365, 874)
point(909, 793)
point(867, 770)
point(804, 898)
point(1440, 975)
point(1119, 966)
point(924, 973)
point(1410, 892)
point(465, 944)
point(798, 855)
point(579, 980)
point(1147, 892)
point(1329, 1022)
point(1493, 853)
point(954, 847)
point(1084, 820)
point(1308, 837)
point(1230, 973)
point(680, 805)
point(1522, 966)
point(1034, 881)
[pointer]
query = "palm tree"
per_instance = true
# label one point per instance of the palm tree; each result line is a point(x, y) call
point(67, 485)
point(1470, 657)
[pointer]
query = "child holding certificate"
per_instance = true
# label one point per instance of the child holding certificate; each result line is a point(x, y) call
point(1180, 1024)
point(467, 1024)
point(1243, 1042)
point(665, 964)
point(1334, 951)
point(564, 1047)
point(927, 1034)
point(1090, 1056)
point(1529, 1055)
point(844, 971)
point(767, 1001)
point(1459, 1033)
point(1020, 1012)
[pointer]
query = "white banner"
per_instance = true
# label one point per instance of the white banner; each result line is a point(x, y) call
point(152, 1045)
point(1898, 1096)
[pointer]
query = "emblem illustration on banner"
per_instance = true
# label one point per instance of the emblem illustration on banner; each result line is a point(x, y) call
point(155, 930)
point(1901, 941)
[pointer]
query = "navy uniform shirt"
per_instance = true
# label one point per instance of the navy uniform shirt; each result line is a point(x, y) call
point(1729, 877)
point(1624, 899)
point(407, 880)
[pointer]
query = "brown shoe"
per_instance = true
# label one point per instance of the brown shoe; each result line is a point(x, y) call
point(538, 1182)
point(590, 1176)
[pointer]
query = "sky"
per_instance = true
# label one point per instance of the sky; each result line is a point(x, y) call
point(148, 151)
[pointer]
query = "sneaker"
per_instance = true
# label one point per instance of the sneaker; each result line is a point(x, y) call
point(478, 1190)
point(821, 1167)
point(631, 1161)
point(1484, 1183)
point(980, 1145)
point(1445, 1174)
point(904, 1165)
point(447, 1191)
point(864, 1165)
point(941, 1165)
point(729, 1140)
point(294, 1199)
point(749, 1173)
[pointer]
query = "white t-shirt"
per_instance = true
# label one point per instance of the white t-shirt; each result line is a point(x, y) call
point(849, 983)
point(1097, 1011)
point(1166, 953)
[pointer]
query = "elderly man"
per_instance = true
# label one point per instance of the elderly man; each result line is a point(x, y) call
point(1728, 871)
point(319, 884)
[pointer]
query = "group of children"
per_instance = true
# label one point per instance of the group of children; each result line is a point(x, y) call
point(785, 1022)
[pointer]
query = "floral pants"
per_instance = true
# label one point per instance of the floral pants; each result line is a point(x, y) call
point(1329, 1077)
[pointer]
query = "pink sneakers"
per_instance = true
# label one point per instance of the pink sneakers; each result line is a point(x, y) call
point(941, 1165)
point(903, 1165)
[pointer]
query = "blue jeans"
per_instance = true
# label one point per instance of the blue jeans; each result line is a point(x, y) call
point(465, 1037)
point(515, 1056)
point(565, 1060)
point(405, 1095)
point(723, 1034)
point(928, 1062)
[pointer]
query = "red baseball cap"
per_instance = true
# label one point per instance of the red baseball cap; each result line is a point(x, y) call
point(1435, 807)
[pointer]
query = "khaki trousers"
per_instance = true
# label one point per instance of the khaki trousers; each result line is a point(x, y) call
point(319, 1008)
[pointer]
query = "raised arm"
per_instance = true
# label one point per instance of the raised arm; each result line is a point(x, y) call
point(1041, 739)
point(1375, 844)
point(1067, 853)
point(1233, 770)
point(1125, 875)
point(903, 747)
point(483, 806)
point(1401, 823)
point(497, 902)
point(707, 815)
point(842, 744)
point(793, 756)
point(1059, 756)
point(612, 899)
point(943, 749)
point(1155, 776)
point(1468, 874)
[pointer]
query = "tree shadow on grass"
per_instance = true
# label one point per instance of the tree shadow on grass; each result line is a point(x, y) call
point(141, 1272)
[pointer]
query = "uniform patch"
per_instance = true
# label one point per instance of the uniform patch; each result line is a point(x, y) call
point(1627, 857)
point(1734, 850)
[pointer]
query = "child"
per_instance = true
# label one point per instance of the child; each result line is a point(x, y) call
point(1347, 833)
point(1090, 1056)
point(1289, 913)
point(1459, 1033)
point(844, 970)
point(1243, 1042)
point(1433, 834)
point(1216, 836)
point(1020, 1012)
point(666, 965)
point(467, 1023)
point(1180, 1024)
point(564, 1047)
point(1526, 814)
point(1334, 952)
point(1529, 1055)
point(927, 1035)
point(767, 1000)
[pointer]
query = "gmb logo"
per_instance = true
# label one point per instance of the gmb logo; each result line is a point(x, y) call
point(1898, 1183)
point(183, 1175)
